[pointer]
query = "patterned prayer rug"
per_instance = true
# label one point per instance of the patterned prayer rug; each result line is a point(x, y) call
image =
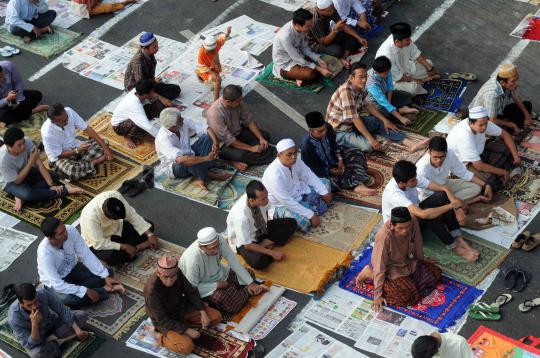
point(117, 314)
point(452, 265)
point(443, 95)
point(30, 127)
point(235, 188)
point(267, 77)
point(379, 175)
point(393, 152)
point(66, 209)
point(313, 265)
point(487, 343)
point(144, 153)
point(424, 122)
point(48, 45)
point(72, 349)
point(343, 227)
point(441, 308)
point(525, 186)
point(529, 149)
point(135, 274)
point(482, 215)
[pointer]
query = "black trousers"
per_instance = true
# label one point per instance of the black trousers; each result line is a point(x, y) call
point(23, 110)
point(444, 224)
point(167, 90)
point(279, 232)
point(129, 236)
point(42, 21)
point(342, 42)
point(245, 156)
point(513, 114)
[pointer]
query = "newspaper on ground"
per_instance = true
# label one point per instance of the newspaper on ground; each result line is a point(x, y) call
point(13, 243)
point(87, 53)
point(275, 314)
point(446, 124)
point(289, 5)
point(64, 17)
point(523, 26)
point(7, 220)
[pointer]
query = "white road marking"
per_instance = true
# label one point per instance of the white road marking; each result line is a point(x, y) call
point(433, 18)
point(281, 105)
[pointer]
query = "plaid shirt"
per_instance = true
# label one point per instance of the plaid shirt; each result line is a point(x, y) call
point(493, 98)
point(141, 67)
point(346, 105)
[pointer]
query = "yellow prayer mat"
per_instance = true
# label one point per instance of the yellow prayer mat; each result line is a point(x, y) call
point(252, 303)
point(307, 267)
point(144, 153)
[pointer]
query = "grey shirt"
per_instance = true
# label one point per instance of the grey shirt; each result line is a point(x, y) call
point(11, 165)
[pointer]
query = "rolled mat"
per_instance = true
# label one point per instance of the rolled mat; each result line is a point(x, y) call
point(259, 310)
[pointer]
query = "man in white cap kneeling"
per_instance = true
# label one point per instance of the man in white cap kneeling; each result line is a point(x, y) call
point(491, 160)
point(294, 190)
point(226, 288)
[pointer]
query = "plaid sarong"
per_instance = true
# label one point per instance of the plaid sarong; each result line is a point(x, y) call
point(80, 165)
point(497, 154)
point(408, 290)
point(231, 299)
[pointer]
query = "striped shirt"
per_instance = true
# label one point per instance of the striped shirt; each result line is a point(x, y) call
point(493, 98)
point(346, 105)
point(378, 88)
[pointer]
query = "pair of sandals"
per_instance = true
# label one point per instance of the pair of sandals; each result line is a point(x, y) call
point(489, 312)
point(8, 51)
point(467, 76)
point(526, 241)
point(8, 295)
point(515, 279)
point(134, 187)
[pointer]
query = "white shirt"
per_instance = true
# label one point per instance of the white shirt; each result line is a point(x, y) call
point(343, 7)
point(241, 224)
point(291, 48)
point(454, 346)
point(131, 107)
point(287, 185)
point(57, 139)
point(393, 196)
point(402, 59)
point(467, 145)
point(451, 165)
point(169, 145)
point(55, 264)
point(204, 271)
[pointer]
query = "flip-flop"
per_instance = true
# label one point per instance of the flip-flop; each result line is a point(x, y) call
point(484, 316)
point(528, 305)
point(502, 300)
point(521, 281)
point(510, 277)
point(520, 239)
point(483, 307)
point(12, 49)
point(467, 76)
point(531, 242)
point(5, 53)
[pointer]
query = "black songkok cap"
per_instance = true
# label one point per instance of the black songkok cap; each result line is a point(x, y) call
point(401, 30)
point(114, 209)
point(314, 119)
point(400, 214)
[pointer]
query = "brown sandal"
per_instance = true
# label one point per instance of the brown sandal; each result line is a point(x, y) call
point(520, 239)
point(531, 243)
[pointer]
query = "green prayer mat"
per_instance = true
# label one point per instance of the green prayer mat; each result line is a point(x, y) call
point(31, 127)
point(72, 349)
point(267, 77)
point(48, 45)
point(470, 273)
point(424, 122)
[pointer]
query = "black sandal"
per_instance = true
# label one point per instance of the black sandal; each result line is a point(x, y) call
point(510, 277)
point(127, 185)
point(137, 188)
point(521, 281)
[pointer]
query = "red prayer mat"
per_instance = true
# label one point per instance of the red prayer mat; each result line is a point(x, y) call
point(487, 343)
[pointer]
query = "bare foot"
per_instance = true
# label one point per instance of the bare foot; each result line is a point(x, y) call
point(364, 190)
point(299, 83)
point(408, 110)
point(219, 176)
point(346, 64)
point(240, 166)
point(119, 288)
point(18, 204)
point(49, 29)
point(61, 341)
point(468, 255)
point(419, 145)
point(201, 184)
point(128, 142)
point(27, 39)
point(465, 245)
point(73, 189)
point(40, 108)
point(364, 275)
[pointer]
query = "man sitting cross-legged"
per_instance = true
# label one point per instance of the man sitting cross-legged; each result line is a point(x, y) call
point(492, 159)
point(251, 234)
point(294, 190)
point(114, 231)
point(225, 287)
point(441, 213)
point(29, 19)
point(66, 153)
point(401, 274)
point(439, 163)
point(23, 174)
point(180, 159)
point(41, 323)
point(176, 308)
point(68, 268)
point(346, 168)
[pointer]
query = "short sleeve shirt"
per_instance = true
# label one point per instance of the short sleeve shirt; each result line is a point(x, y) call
point(11, 165)
point(468, 145)
point(57, 139)
point(393, 196)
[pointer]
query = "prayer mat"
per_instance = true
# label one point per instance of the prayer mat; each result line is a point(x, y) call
point(529, 149)
point(72, 349)
point(500, 211)
point(67, 209)
point(441, 308)
point(487, 343)
point(252, 303)
point(109, 175)
point(392, 152)
point(313, 265)
point(48, 45)
point(267, 77)
point(424, 122)
point(452, 265)
point(117, 314)
point(533, 30)
point(443, 95)
point(135, 273)
point(235, 188)
point(525, 186)
point(379, 175)
point(343, 227)
point(31, 127)
point(144, 153)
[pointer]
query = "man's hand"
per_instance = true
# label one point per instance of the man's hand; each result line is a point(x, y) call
point(263, 143)
point(221, 285)
point(389, 126)
point(153, 241)
point(92, 295)
point(192, 333)
point(378, 304)
point(84, 147)
point(278, 255)
point(255, 148)
point(433, 72)
point(528, 120)
point(211, 156)
point(460, 216)
point(81, 335)
point(505, 176)
point(57, 189)
point(375, 143)
point(516, 162)
point(107, 153)
point(11, 96)
point(488, 192)
point(456, 203)
point(34, 156)
point(322, 63)
point(327, 198)
point(129, 249)
point(111, 281)
point(35, 317)
point(255, 289)
point(514, 127)
point(315, 220)
point(335, 171)
point(166, 102)
point(340, 25)
point(205, 319)
point(404, 120)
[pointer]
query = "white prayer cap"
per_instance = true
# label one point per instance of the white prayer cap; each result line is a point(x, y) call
point(324, 4)
point(210, 43)
point(207, 235)
point(477, 112)
point(168, 117)
point(285, 144)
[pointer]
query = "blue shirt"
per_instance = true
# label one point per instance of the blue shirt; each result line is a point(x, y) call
point(378, 87)
point(19, 12)
point(12, 81)
point(51, 310)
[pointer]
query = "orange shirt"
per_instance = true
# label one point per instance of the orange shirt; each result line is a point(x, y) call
point(209, 61)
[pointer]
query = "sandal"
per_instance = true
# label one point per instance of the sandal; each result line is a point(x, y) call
point(502, 300)
point(467, 76)
point(137, 188)
point(521, 281)
point(531, 242)
point(127, 186)
point(12, 49)
point(483, 307)
point(484, 316)
point(529, 305)
point(510, 277)
point(520, 239)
